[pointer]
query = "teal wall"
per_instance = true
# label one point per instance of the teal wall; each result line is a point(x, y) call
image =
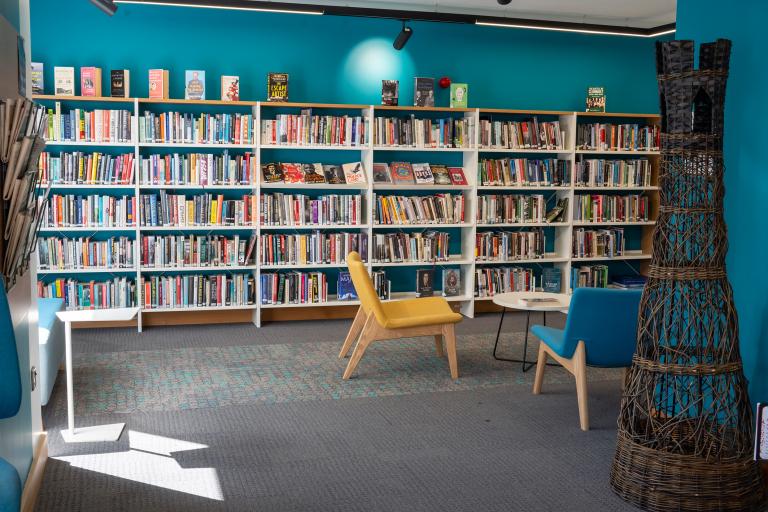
point(746, 173)
point(337, 59)
point(9, 9)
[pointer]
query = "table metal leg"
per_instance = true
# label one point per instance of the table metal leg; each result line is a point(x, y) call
point(70, 386)
point(526, 365)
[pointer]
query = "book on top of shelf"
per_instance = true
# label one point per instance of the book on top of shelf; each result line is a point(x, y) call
point(194, 84)
point(459, 95)
point(64, 80)
point(422, 174)
point(457, 175)
point(345, 289)
point(277, 87)
point(629, 281)
point(90, 81)
point(334, 174)
point(451, 282)
point(230, 88)
point(272, 172)
point(292, 172)
point(381, 173)
point(120, 83)
point(158, 84)
point(440, 174)
point(596, 99)
point(402, 173)
point(354, 172)
point(424, 92)
point(313, 173)
point(425, 282)
point(551, 280)
point(38, 84)
point(390, 91)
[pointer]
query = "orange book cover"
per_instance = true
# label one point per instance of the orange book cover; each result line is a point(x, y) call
point(158, 83)
point(90, 81)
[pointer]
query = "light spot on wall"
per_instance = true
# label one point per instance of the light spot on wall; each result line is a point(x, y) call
point(374, 60)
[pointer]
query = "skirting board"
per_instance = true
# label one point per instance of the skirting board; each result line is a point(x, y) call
point(35, 475)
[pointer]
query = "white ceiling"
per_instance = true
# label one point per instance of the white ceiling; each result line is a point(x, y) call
point(632, 13)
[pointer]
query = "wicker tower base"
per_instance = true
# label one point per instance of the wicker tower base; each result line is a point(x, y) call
point(685, 428)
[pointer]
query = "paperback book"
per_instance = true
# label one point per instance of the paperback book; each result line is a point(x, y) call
point(38, 84)
point(158, 84)
point(230, 88)
point(440, 174)
point(272, 172)
point(64, 80)
point(424, 92)
point(551, 280)
point(459, 95)
point(425, 283)
point(422, 174)
point(90, 81)
point(381, 173)
point(292, 173)
point(451, 282)
point(402, 173)
point(277, 87)
point(194, 84)
point(334, 174)
point(457, 175)
point(120, 83)
point(596, 99)
point(345, 289)
point(354, 173)
point(313, 173)
point(390, 91)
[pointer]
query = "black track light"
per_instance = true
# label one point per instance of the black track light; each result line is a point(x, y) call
point(402, 37)
point(108, 6)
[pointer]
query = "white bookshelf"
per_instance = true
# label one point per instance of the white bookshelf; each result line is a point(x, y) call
point(367, 154)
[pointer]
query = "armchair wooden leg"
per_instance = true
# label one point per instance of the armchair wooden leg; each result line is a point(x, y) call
point(450, 346)
point(580, 372)
point(439, 345)
point(365, 339)
point(357, 325)
point(541, 365)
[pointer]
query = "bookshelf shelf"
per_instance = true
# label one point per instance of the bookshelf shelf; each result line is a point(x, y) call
point(422, 226)
point(313, 227)
point(179, 101)
point(625, 257)
point(435, 188)
point(314, 186)
point(507, 188)
point(293, 104)
point(198, 308)
point(98, 270)
point(70, 186)
point(90, 144)
point(619, 189)
point(197, 187)
point(616, 152)
point(407, 108)
point(314, 147)
point(426, 150)
point(329, 303)
point(524, 225)
point(653, 117)
point(451, 262)
point(171, 270)
point(546, 259)
point(609, 224)
point(94, 229)
point(304, 266)
point(195, 228)
point(525, 151)
point(104, 99)
point(202, 145)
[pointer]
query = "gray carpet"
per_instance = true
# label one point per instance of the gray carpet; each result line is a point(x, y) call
point(377, 442)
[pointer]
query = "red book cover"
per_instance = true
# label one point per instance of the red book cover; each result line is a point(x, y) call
point(401, 172)
point(292, 173)
point(457, 176)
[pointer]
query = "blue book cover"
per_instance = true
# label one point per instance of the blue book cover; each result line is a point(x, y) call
point(551, 280)
point(153, 210)
point(194, 84)
point(345, 288)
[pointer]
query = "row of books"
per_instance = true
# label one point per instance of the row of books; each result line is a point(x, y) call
point(589, 276)
point(182, 291)
point(424, 133)
point(613, 173)
point(345, 289)
point(511, 208)
point(185, 128)
point(90, 210)
point(430, 246)
point(281, 209)
point(165, 209)
point(528, 134)
point(406, 173)
point(590, 243)
point(314, 173)
point(85, 253)
point(293, 288)
point(511, 172)
point(120, 292)
point(610, 208)
point(433, 209)
point(490, 281)
point(510, 245)
point(176, 251)
point(80, 125)
point(315, 248)
point(78, 168)
point(197, 169)
point(307, 129)
point(425, 284)
point(618, 137)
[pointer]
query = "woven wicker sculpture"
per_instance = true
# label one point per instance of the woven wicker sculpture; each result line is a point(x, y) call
point(685, 428)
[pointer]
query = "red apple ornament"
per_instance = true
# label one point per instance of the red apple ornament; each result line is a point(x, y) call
point(444, 82)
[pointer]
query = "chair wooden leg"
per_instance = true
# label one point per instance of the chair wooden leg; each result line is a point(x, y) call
point(439, 345)
point(450, 346)
point(366, 338)
point(541, 365)
point(357, 325)
point(580, 372)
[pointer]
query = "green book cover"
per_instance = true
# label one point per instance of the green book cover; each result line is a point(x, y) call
point(459, 95)
point(596, 99)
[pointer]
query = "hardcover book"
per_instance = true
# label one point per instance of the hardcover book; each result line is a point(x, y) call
point(90, 81)
point(272, 172)
point(158, 84)
point(557, 213)
point(402, 173)
point(64, 80)
point(423, 174)
point(595, 99)
point(120, 83)
point(354, 172)
point(424, 92)
point(440, 174)
point(457, 175)
point(334, 174)
point(313, 173)
point(230, 88)
point(451, 282)
point(459, 95)
point(425, 283)
point(194, 84)
point(292, 173)
point(345, 289)
point(277, 87)
point(390, 90)
point(381, 173)
point(38, 84)
point(551, 280)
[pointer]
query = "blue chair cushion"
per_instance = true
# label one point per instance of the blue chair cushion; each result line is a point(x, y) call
point(46, 312)
point(10, 488)
point(554, 338)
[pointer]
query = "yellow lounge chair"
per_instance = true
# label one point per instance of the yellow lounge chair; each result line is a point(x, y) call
point(375, 321)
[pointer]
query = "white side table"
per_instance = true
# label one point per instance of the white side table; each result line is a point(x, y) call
point(513, 301)
point(99, 432)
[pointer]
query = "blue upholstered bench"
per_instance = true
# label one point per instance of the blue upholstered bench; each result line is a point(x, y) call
point(51, 339)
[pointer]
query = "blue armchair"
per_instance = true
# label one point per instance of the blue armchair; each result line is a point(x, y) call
point(601, 330)
point(10, 401)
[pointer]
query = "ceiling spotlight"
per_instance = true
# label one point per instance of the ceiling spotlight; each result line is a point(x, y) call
point(108, 6)
point(402, 37)
point(504, 2)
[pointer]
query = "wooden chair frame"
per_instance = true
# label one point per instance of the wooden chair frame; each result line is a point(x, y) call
point(365, 329)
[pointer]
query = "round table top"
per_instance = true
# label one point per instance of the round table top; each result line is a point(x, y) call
point(512, 301)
